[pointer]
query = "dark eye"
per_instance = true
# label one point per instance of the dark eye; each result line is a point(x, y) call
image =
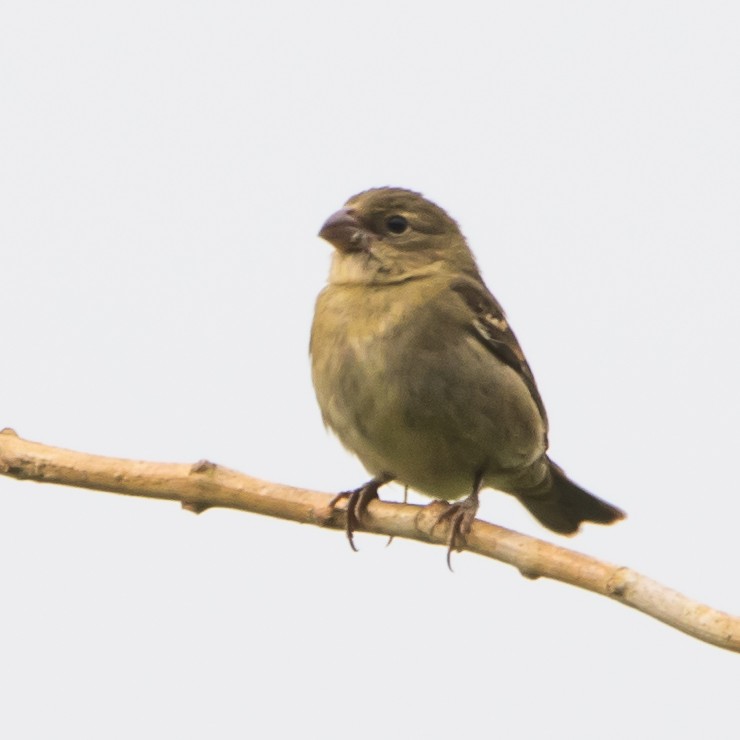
point(396, 224)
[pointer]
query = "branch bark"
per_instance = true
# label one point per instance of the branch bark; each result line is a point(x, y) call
point(204, 485)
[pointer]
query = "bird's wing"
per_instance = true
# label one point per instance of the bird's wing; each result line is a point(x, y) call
point(492, 329)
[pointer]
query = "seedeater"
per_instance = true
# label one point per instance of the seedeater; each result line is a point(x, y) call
point(418, 373)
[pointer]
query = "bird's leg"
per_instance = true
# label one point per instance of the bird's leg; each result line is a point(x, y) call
point(461, 515)
point(357, 502)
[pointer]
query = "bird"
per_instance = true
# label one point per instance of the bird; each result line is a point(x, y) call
point(418, 373)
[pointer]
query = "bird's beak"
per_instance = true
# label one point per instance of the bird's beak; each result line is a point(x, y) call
point(344, 231)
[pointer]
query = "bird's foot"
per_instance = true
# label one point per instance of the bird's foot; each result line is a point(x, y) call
point(357, 503)
point(461, 516)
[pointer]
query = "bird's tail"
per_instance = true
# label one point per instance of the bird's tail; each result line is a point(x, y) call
point(561, 505)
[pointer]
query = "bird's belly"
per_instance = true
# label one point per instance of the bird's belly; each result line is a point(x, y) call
point(432, 422)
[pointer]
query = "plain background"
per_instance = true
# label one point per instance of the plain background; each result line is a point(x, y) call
point(164, 168)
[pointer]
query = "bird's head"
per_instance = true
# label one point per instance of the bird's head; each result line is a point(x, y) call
point(388, 235)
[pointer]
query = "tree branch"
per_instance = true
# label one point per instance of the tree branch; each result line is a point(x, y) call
point(204, 485)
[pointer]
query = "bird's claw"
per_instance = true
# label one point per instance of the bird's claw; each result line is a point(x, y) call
point(357, 503)
point(461, 516)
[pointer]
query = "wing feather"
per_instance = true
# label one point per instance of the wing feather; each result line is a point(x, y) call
point(492, 329)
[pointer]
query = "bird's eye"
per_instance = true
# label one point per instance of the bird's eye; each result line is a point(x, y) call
point(396, 224)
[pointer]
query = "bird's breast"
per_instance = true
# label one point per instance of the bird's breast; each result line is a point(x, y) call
point(414, 395)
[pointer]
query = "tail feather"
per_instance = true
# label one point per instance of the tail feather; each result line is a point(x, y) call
point(561, 505)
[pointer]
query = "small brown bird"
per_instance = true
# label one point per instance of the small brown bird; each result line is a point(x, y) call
point(419, 374)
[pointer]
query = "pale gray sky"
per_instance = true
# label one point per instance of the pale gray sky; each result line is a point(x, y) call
point(165, 168)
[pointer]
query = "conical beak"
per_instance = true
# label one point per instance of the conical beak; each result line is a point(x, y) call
point(344, 231)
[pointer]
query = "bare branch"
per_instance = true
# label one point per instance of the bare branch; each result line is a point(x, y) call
point(204, 485)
